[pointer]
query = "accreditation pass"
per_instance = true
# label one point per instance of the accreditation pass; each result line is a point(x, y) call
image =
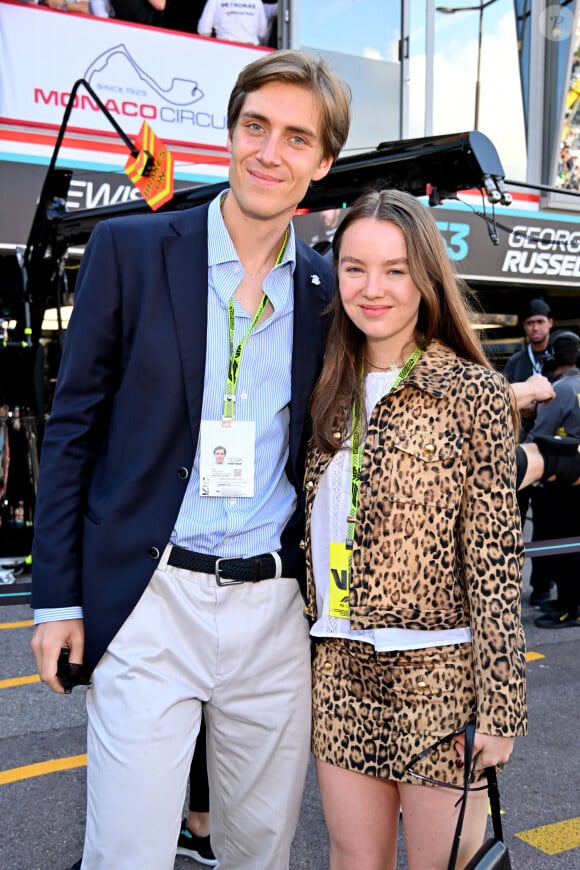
point(227, 458)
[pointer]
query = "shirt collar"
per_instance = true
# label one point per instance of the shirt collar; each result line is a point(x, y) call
point(220, 248)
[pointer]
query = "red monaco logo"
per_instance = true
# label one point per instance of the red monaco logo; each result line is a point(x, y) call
point(128, 108)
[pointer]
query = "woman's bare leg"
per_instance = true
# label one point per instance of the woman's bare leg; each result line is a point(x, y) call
point(429, 819)
point(362, 817)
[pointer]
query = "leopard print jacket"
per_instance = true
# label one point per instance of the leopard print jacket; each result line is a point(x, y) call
point(438, 540)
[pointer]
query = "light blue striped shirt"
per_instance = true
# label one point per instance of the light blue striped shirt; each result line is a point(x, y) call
point(240, 526)
point(245, 526)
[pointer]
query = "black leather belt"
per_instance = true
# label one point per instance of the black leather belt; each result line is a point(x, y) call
point(228, 572)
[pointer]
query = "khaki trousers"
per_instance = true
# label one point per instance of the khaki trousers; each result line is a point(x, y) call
point(244, 652)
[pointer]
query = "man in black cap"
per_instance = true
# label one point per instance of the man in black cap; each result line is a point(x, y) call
point(559, 507)
point(537, 322)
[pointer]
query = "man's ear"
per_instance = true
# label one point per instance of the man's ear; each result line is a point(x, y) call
point(323, 168)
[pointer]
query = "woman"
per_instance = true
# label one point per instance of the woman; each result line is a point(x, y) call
point(416, 551)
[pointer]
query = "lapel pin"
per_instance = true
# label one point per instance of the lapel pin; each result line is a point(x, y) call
point(314, 279)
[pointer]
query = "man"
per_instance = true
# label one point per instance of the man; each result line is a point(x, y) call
point(536, 322)
point(560, 507)
point(234, 21)
point(178, 599)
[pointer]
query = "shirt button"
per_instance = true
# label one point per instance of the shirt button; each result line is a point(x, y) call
point(309, 485)
point(327, 666)
point(429, 449)
point(232, 501)
point(421, 683)
point(244, 395)
point(336, 436)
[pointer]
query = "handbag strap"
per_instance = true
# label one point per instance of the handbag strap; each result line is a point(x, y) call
point(467, 761)
point(492, 790)
point(494, 804)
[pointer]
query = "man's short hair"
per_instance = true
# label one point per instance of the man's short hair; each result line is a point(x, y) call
point(299, 68)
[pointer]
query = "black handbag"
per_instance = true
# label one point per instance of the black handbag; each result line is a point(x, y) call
point(493, 854)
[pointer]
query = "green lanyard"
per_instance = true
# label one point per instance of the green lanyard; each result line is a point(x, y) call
point(357, 451)
point(236, 354)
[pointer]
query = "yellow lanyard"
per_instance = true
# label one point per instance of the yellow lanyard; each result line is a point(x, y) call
point(236, 354)
point(357, 451)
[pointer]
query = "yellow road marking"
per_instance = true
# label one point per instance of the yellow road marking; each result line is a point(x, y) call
point(555, 838)
point(24, 624)
point(41, 768)
point(19, 681)
point(534, 656)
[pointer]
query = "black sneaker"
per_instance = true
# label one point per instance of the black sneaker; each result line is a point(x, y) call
point(561, 619)
point(198, 848)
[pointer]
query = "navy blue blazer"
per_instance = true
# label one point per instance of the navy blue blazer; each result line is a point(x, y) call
point(124, 426)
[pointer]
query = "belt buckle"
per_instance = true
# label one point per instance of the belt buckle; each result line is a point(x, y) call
point(219, 579)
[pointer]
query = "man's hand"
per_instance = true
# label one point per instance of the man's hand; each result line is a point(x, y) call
point(543, 391)
point(47, 642)
point(528, 393)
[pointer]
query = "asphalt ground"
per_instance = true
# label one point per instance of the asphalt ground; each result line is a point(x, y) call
point(42, 764)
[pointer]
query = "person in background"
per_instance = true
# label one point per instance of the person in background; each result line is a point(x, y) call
point(551, 459)
point(568, 177)
point(234, 22)
point(194, 837)
point(139, 11)
point(80, 7)
point(178, 602)
point(415, 557)
point(536, 320)
point(271, 10)
point(561, 506)
point(98, 8)
point(329, 220)
point(182, 15)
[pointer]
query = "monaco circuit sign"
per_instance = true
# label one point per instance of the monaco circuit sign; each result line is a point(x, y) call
point(140, 74)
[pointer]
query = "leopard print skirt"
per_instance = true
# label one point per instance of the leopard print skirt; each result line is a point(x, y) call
point(373, 712)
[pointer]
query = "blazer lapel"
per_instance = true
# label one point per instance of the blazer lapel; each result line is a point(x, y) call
point(187, 270)
point(311, 295)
